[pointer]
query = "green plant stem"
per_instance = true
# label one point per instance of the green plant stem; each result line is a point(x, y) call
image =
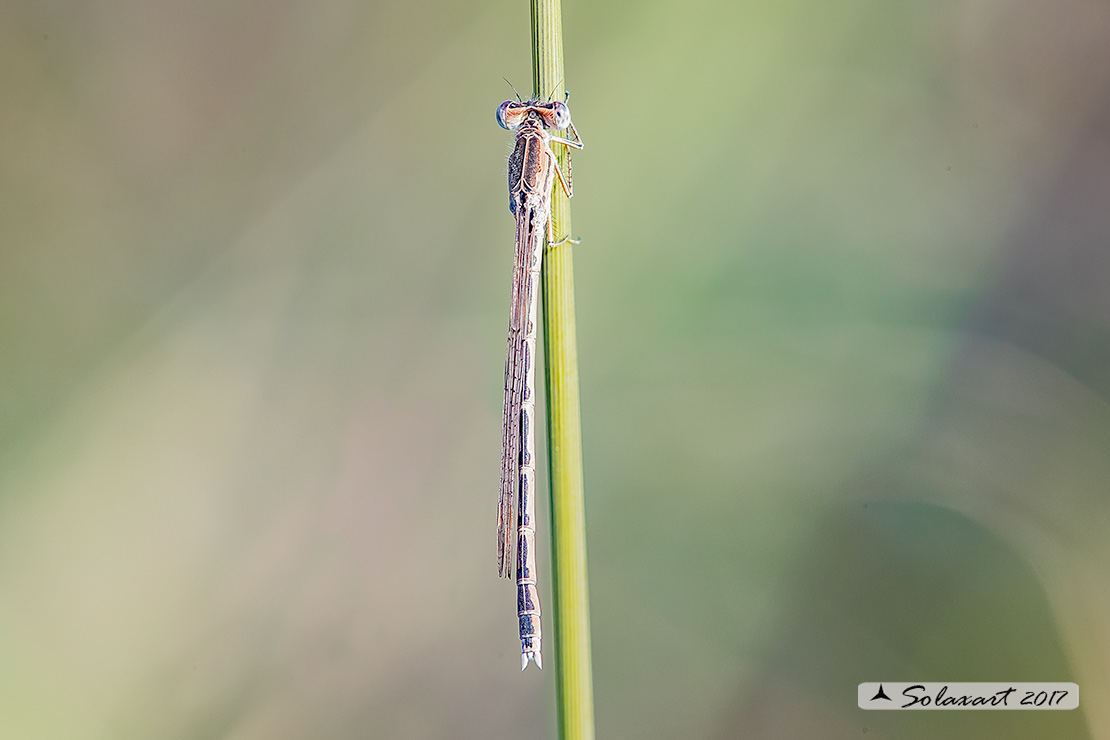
point(573, 672)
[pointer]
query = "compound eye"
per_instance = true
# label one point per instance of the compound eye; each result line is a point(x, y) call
point(561, 114)
point(507, 116)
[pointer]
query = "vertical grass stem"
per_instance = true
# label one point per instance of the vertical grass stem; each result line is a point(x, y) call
point(573, 672)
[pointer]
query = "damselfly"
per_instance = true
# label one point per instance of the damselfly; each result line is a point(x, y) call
point(532, 169)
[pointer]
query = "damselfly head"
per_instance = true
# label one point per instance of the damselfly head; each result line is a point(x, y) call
point(511, 114)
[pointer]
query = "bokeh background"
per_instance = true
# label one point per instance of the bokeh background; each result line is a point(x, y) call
point(844, 322)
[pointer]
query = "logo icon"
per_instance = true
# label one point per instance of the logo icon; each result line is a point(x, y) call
point(881, 695)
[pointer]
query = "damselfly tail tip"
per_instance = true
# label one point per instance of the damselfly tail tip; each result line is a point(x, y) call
point(531, 655)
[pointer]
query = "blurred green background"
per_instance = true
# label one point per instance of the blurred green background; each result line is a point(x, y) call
point(844, 342)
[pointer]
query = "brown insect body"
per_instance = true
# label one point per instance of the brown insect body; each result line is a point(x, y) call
point(532, 169)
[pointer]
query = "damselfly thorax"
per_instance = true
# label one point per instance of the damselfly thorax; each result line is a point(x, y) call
point(532, 170)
